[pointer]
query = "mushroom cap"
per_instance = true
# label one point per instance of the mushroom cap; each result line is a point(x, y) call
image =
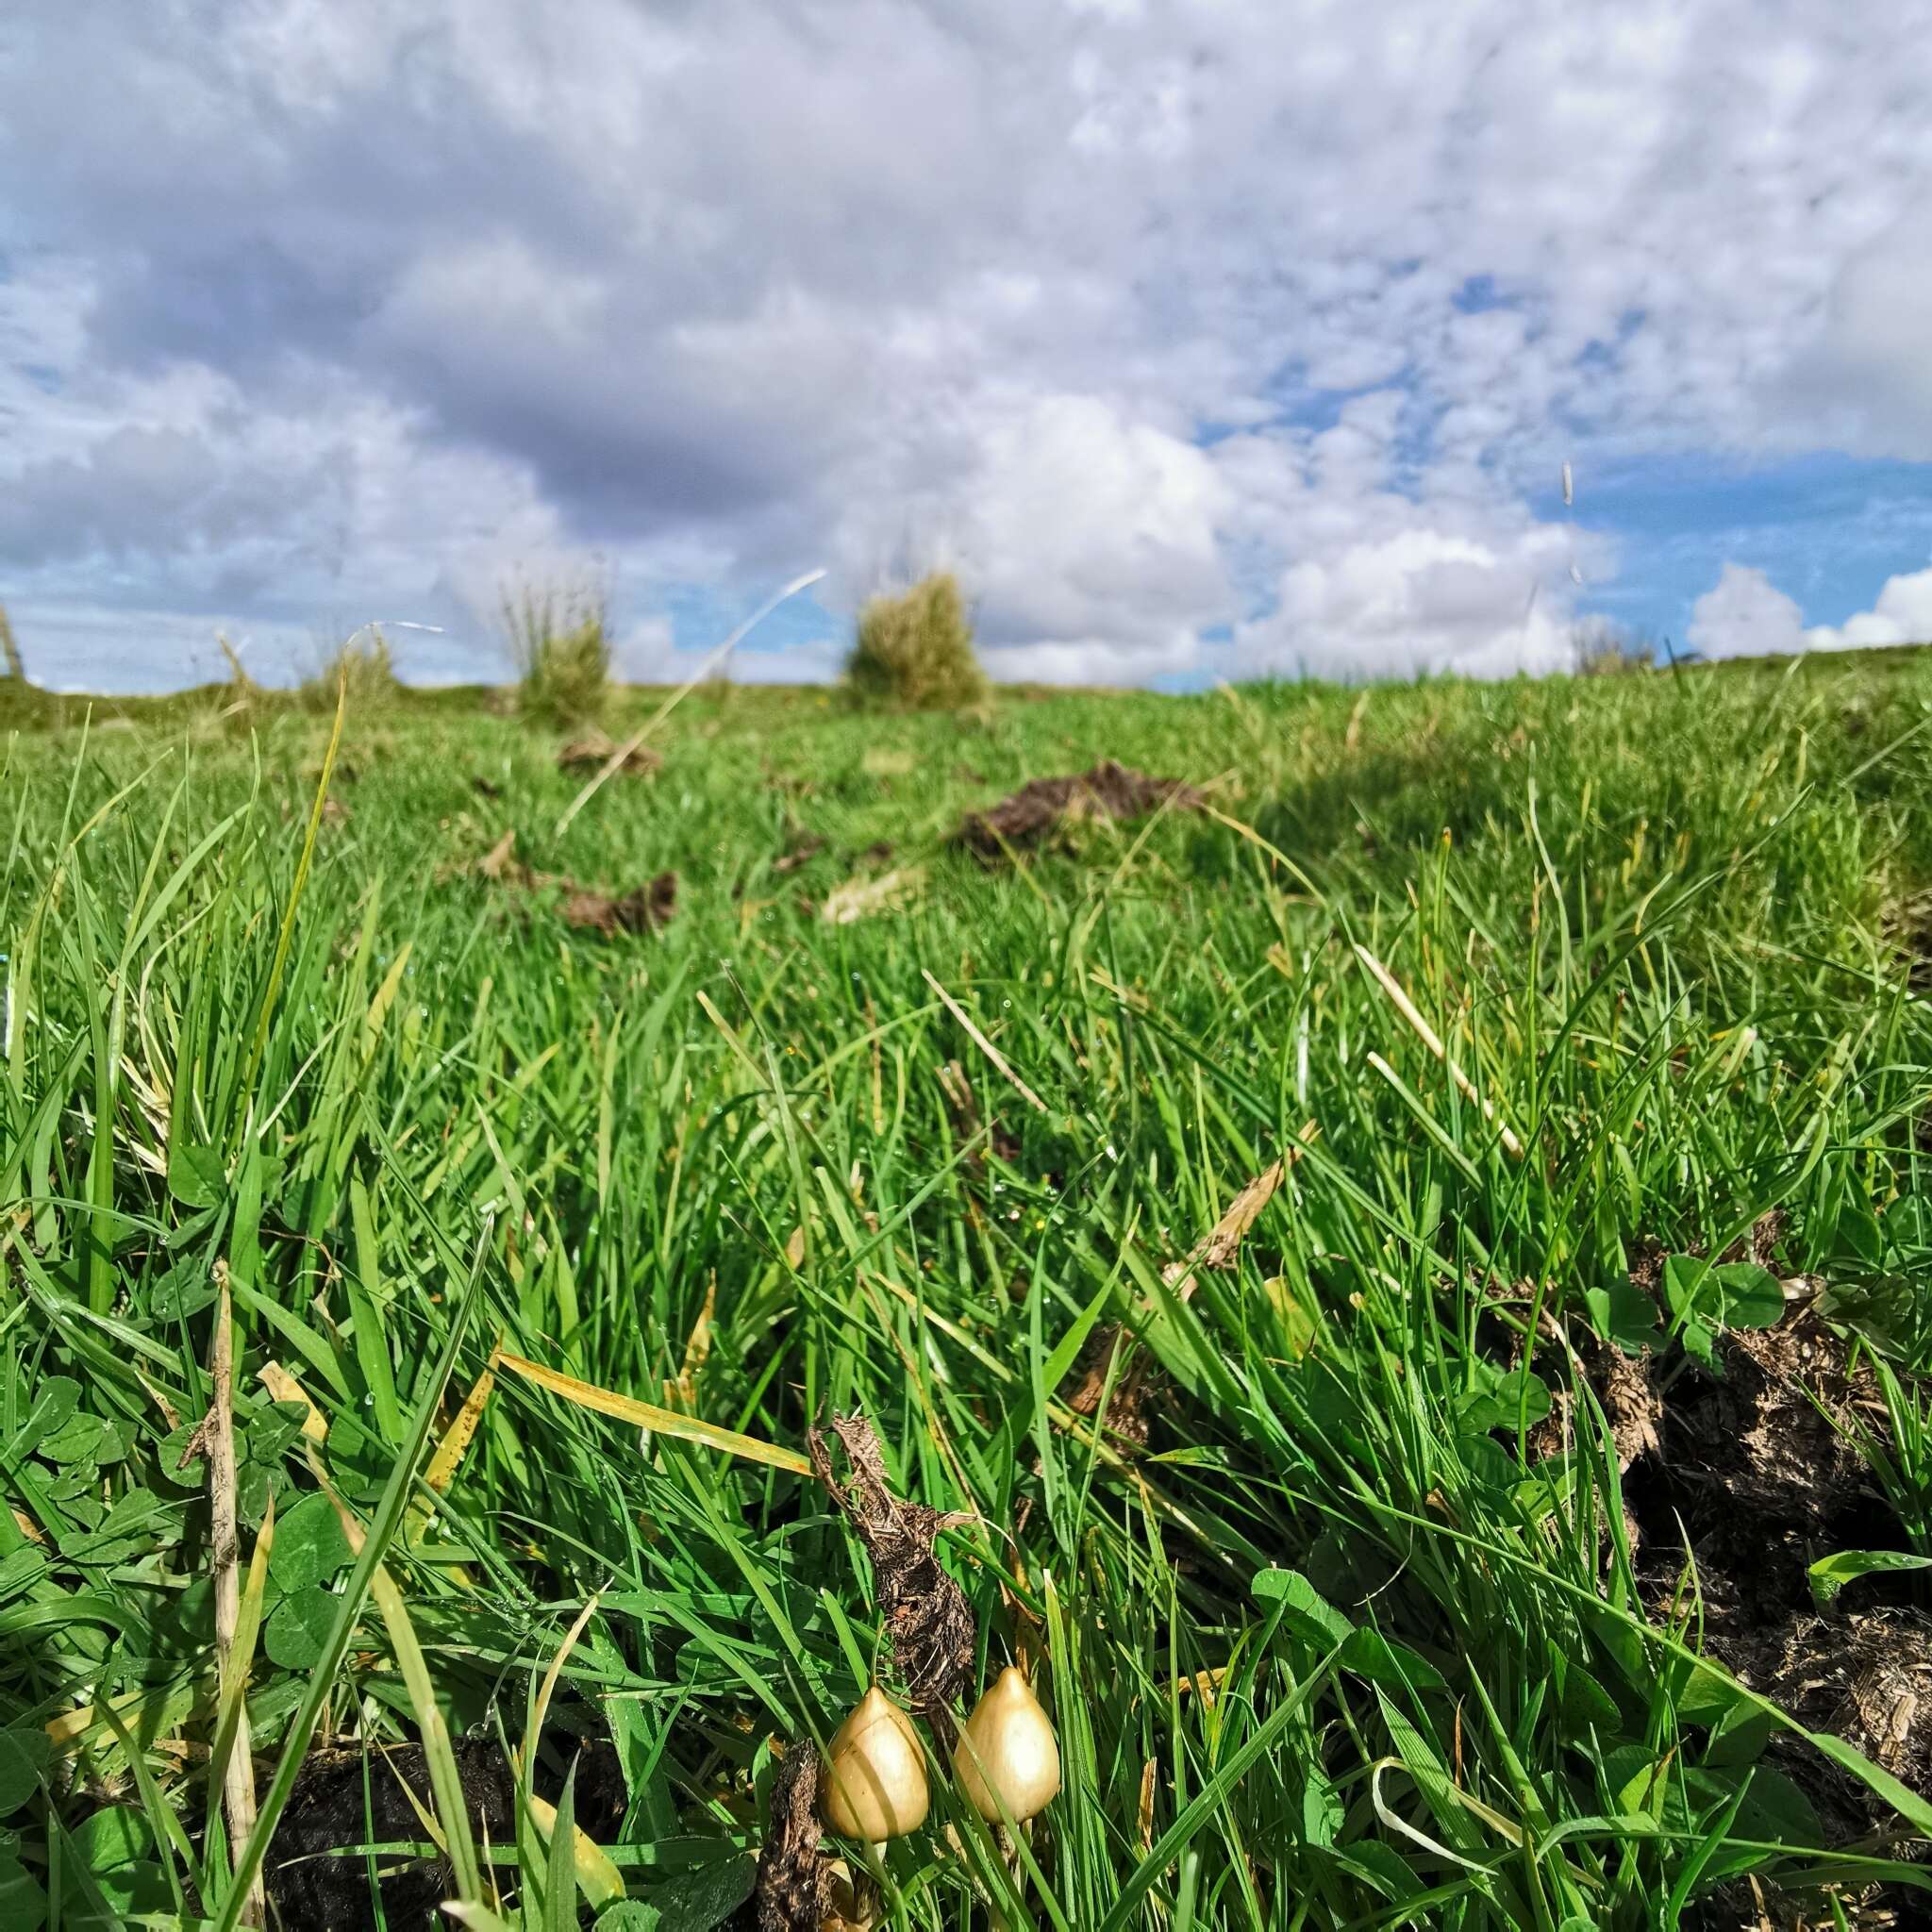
point(1009, 1757)
point(875, 1784)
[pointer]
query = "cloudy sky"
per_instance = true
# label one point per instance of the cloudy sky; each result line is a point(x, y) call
point(1205, 340)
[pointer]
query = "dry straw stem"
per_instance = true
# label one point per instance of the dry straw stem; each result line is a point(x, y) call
point(1432, 1039)
point(984, 1045)
point(218, 1439)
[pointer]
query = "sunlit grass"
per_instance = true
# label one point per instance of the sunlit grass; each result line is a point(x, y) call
point(761, 1165)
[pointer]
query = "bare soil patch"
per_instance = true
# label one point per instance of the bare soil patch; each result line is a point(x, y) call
point(1109, 791)
point(310, 1891)
point(645, 909)
point(1757, 1469)
point(594, 749)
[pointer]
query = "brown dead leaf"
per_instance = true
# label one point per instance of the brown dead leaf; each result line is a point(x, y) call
point(283, 1386)
point(1110, 1358)
point(926, 1614)
point(1219, 1246)
point(861, 897)
point(697, 1348)
point(799, 854)
point(500, 862)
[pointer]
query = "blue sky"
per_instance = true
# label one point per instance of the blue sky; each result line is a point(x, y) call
point(1827, 529)
point(1199, 348)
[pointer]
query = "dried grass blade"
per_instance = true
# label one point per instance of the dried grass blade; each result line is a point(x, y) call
point(1432, 1039)
point(457, 1437)
point(647, 1415)
point(984, 1045)
point(237, 1769)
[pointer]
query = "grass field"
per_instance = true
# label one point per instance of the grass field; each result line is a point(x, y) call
point(1516, 1525)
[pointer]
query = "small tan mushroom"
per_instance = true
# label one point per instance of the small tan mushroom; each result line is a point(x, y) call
point(875, 1784)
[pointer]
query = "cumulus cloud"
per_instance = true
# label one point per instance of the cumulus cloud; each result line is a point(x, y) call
point(1418, 601)
point(1090, 542)
point(1866, 382)
point(1153, 332)
point(1902, 615)
point(1745, 615)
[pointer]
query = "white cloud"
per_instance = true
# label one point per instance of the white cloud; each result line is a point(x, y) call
point(1745, 615)
point(1089, 541)
point(1419, 600)
point(306, 310)
point(1902, 615)
point(1866, 384)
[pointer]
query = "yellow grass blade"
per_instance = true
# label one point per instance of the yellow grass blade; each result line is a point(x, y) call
point(601, 1881)
point(456, 1439)
point(283, 1386)
point(647, 1415)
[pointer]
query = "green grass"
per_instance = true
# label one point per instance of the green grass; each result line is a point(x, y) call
point(1664, 923)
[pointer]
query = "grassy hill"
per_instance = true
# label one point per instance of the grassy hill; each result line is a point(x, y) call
point(1399, 1264)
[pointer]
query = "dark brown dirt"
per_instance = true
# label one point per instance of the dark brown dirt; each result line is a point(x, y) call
point(645, 909)
point(1109, 791)
point(800, 852)
point(1753, 1469)
point(926, 1614)
point(1758, 1905)
point(594, 750)
point(311, 1892)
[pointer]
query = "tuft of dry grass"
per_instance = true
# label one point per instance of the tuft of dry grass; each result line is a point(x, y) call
point(360, 664)
point(9, 648)
point(914, 650)
point(558, 632)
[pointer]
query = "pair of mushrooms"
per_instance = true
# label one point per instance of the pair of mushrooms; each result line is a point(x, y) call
point(1008, 1762)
